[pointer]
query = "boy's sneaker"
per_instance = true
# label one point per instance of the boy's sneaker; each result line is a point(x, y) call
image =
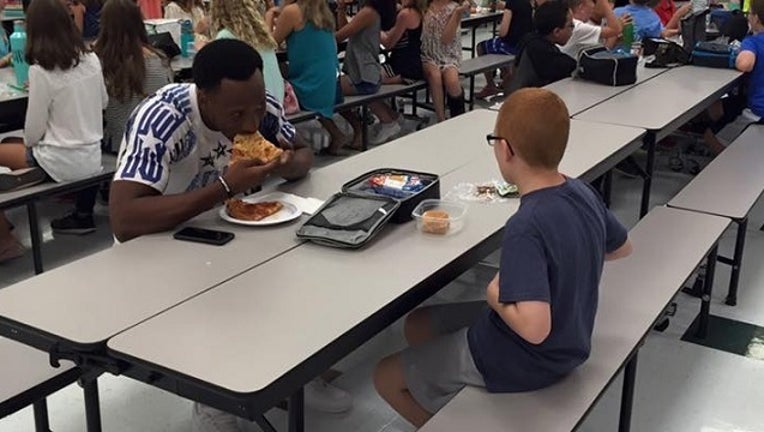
point(386, 132)
point(74, 223)
point(324, 397)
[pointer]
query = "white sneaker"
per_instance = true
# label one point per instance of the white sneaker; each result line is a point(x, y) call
point(208, 419)
point(386, 132)
point(324, 397)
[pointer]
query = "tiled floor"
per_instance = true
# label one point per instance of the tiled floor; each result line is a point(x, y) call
point(681, 387)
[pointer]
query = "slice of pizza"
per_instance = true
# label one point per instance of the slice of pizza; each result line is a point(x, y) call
point(254, 146)
point(254, 212)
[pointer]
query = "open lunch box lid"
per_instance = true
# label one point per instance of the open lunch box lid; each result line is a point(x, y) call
point(354, 216)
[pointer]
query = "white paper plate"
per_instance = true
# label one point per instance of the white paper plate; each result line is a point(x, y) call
point(290, 212)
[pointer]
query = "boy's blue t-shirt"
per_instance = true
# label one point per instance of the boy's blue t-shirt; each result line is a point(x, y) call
point(755, 44)
point(647, 23)
point(553, 251)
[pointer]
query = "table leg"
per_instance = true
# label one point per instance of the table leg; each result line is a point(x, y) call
point(364, 129)
point(297, 411)
point(607, 188)
point(627, 396)
point(708, 285)
point(34, 232)
point(649, 168)
point(40, 409)
point(737, 262)
point(92, 405)
point(472, 92)
point(472, 45)
point(264, 424)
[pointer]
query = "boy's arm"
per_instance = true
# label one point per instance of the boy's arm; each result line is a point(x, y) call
point(617, 243)
point(531, 320)
point(449, 32)
point(551, 64)
point(746, 60)
point(622, 252)
point(614, 25)
point(506, 21)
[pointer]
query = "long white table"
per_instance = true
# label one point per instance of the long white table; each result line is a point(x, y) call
point(148, 275)
point(283, 323)
point(661, 105)
point(729, 187)
point(580, 95)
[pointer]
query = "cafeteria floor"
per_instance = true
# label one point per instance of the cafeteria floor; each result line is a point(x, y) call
point(681, 386)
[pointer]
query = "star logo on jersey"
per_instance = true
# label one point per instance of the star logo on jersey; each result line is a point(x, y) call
point(208, 161)
point(221, 150)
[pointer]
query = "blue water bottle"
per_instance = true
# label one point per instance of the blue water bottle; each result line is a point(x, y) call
point(18, 42)
point(186, 37)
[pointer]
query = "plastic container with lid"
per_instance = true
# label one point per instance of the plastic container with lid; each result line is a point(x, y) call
point(437, 225)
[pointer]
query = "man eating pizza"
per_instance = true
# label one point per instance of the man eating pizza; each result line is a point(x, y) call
point(175, 163)
point(174, 159)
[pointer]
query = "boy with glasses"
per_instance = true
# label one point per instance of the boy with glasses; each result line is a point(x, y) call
point(536, 324)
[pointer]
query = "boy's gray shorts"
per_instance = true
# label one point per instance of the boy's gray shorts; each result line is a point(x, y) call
point(437, 370)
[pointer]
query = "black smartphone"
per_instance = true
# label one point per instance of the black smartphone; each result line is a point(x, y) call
point(202, 235)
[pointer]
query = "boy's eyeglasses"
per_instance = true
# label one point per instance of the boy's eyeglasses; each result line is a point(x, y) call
point(491, 139)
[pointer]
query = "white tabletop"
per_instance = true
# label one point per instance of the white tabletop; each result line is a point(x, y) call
point(302, 301)
point(8, 93)
point(477, 18)
point(94, 298)
point(732, 182)
point(668, 245)
point(656, 103)
point(580, 95)
point(24, 368)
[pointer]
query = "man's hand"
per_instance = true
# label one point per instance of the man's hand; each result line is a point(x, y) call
point(247, 173)
point(285, 164)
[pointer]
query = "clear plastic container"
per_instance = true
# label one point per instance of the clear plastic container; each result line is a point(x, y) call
point(439, 226)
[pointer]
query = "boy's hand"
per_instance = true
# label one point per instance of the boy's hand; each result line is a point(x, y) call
point(492, 293)
point(625, 19)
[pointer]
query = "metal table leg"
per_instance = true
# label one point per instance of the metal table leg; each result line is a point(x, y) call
point(40, 409)
point(737, 262)
point(708, 285)
point(34, 232)
point(297, 411)
point(92, 405)
point(627, 397)
point(649, 140)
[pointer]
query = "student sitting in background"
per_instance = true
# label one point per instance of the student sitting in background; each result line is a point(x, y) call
point(516, 22)
point(241, 19)
point(64, 122)
point(132, 70)
point(363, 71)
point(191, 10)
point(537, 324)
point(307, 26)
point(585, 34)
point(540, 61)
point(404, 41)
point(647, 23)
point(87, 17)
point(442, 55)
point(733, 114)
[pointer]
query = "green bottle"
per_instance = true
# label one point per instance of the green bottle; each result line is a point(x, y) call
point(628, 37)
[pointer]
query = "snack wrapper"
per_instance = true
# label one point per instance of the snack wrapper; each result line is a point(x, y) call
point(396, 185)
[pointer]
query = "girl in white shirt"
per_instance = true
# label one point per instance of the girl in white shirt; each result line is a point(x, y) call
point(189, 10)
point(64, 118)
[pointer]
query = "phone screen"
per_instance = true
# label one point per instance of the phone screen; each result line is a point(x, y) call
point(203, 235)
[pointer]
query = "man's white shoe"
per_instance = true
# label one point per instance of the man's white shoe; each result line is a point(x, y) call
point(324, 397)
point(208, 419)
point(386, 132)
